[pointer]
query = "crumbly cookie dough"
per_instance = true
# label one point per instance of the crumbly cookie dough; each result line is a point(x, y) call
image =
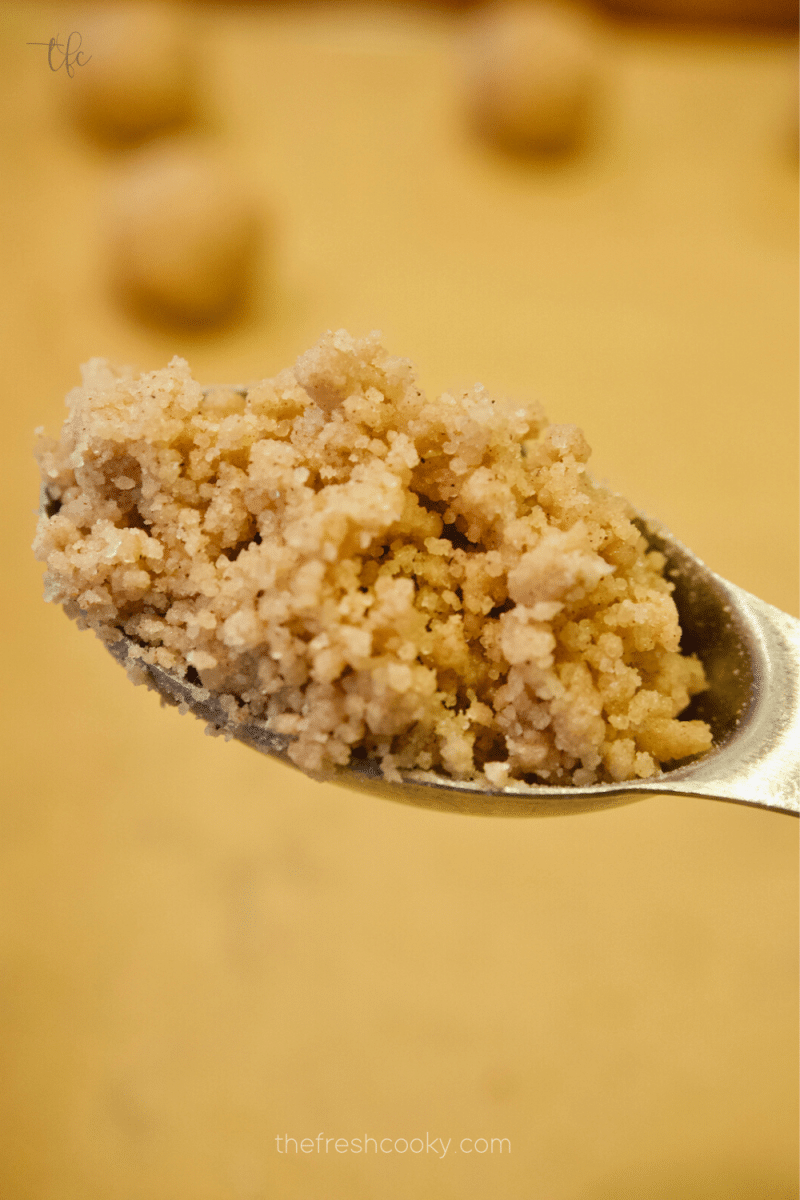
point(431, 583)
point(531, 73)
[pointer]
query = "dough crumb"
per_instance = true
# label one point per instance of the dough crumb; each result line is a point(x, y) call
point(431, 583)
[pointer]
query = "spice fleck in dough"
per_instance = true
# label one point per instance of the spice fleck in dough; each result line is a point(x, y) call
point(433, 583)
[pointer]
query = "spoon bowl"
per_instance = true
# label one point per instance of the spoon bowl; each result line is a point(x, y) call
point(751, 654)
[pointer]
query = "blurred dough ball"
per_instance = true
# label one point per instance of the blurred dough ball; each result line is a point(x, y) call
point(532, 72)
point(141, 74)
point(183, 233)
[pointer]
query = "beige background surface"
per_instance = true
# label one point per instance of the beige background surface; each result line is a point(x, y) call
point(200, 950)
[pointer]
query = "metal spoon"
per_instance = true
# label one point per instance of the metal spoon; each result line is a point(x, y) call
point(751, 654)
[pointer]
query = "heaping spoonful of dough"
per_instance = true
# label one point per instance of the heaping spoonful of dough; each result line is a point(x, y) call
point(429, 600)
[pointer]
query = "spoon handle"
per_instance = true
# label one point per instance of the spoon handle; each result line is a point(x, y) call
point(759, 764)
